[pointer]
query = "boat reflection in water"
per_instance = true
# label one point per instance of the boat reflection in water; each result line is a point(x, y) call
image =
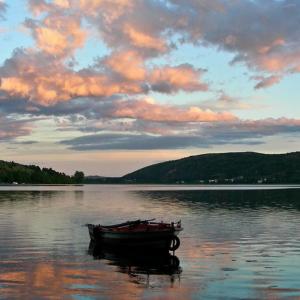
point(138, 262)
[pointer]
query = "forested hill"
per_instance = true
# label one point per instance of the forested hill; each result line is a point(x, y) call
point(11, 172)
point(239, 167)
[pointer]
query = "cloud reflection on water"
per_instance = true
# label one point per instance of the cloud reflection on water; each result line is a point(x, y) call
point(237, 244)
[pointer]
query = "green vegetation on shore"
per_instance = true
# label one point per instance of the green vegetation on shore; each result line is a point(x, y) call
point(218, 168)
point(11, 172)
point(223, 168)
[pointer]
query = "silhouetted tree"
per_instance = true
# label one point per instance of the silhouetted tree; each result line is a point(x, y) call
point(78, 177)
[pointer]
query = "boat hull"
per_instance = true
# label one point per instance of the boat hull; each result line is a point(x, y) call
point(156, 239)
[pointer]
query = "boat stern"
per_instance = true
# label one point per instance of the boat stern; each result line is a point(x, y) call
point(91, 231)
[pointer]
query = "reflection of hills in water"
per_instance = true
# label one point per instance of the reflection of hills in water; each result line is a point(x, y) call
point(136, 263)
point(228, 199)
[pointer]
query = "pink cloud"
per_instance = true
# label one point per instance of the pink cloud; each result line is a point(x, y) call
point(43, 78)
point(171, 79)
point(265, 82)
point(46, 80)
point(245, 28)
point(149, 110)
point(138, 31)
point(143, 40)
point(264, 35)
point(58, 34)
point(128, 64)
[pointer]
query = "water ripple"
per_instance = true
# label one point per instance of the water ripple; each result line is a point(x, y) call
point(241, 244)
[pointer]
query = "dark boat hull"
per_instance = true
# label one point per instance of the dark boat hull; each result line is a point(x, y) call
point(147, 240)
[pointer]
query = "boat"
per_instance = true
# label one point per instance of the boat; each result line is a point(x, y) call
point(138, 233)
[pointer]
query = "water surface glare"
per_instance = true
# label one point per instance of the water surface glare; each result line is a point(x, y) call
point(238, 242)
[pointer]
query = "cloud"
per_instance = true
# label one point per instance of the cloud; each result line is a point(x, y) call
point(58, 34)
point(171, 79)
point(142, 40)
point(24, 142)
point(262, 35)
point(40, 78)
point(148, 110)
point(113, 110)
point(227, 102)
point(112, 94)
point(127, 126)
point(266, 81)
point(38, 6)
point(11, 128)
point(121, 23)
point(252, 129)
point(3, 8)
point(111, 9)
point(131, 25)
point(128, 142)
point(144, 142)
point(240, 132)
point(128, 65)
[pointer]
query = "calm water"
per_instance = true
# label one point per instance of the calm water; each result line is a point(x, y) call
point(236, 244)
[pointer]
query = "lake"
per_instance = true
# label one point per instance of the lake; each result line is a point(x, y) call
point(238, 242)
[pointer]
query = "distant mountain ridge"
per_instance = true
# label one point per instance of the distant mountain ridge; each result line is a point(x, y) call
point(232, 167)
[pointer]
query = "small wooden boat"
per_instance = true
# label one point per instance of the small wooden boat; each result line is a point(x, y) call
point(140, 233)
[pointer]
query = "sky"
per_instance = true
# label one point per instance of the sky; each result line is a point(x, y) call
point(110, 86)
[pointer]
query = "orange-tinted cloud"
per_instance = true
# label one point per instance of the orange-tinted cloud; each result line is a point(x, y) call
point(58, 34)
point(136, 32)
point(150, 111)
point(128, 64)
point(43, 75)
point(147, 26)
point(144, 40)
point(48, 90)
point(111, 9)
point(62, 3)
point(171, 79)
point(46, 80)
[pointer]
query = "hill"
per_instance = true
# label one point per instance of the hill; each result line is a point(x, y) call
point(238, 167)
point(11, 172)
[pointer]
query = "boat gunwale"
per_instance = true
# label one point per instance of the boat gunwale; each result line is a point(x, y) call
point(132, 228)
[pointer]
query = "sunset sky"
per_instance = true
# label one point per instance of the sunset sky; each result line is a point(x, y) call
point(109, 86)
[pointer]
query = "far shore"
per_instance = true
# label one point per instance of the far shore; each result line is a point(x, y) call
point(39, 184)
point(158, 184)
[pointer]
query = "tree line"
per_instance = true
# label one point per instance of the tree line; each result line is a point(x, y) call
point(11, 172)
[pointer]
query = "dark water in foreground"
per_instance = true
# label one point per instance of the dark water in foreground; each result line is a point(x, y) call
point(236, 244)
